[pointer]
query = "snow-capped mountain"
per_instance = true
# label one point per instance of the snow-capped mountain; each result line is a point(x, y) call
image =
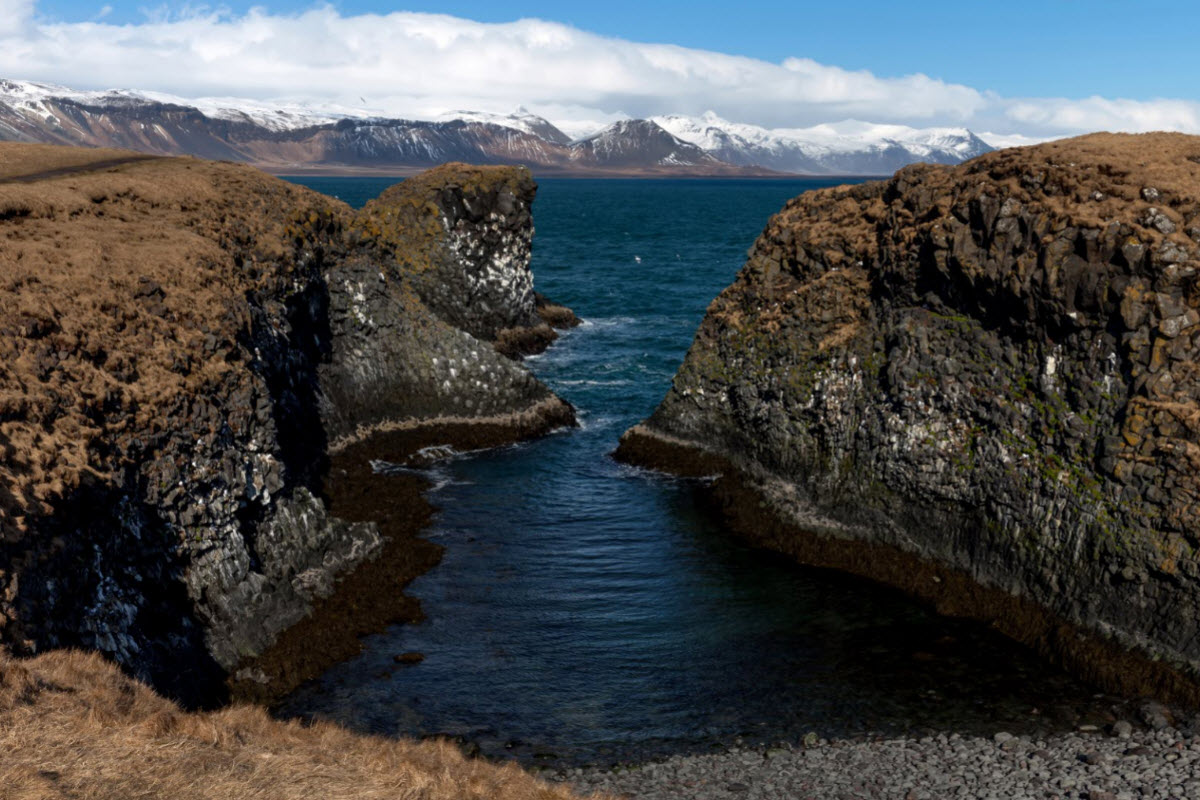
point(519, 120)
point(283, 137)
point(286, 136)
point(29, 97)
point(850, 147)
point(636, 141)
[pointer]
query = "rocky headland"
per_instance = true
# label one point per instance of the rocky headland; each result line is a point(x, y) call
point(199, 362)
point(976, 383)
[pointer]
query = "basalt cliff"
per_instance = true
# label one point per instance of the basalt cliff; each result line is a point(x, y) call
point(980, 384)
point(193, 351)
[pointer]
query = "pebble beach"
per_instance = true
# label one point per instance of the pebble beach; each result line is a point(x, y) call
point(1119, 763)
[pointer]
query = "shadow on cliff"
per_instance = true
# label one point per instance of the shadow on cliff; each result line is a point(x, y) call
point(106, 564)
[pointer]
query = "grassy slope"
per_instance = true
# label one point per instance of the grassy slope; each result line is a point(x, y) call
point(72, 725)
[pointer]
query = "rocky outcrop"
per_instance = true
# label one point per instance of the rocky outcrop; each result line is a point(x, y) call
point(185, 343)
point(978, 383)
point(463, 241)
point(441, 269)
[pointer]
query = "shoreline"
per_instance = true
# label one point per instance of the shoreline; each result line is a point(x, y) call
point(1121, 762)
point(371, 597)
point(750, 513)
point(296, 171)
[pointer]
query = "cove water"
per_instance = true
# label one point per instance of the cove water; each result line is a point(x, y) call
point(586, 611)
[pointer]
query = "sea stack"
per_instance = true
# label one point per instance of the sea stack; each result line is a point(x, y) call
point(186, 344)
point(980, 384)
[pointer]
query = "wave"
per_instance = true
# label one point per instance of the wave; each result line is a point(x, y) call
point(589, 421)
point(607, 322)
point(631, 471)
point(594, 382)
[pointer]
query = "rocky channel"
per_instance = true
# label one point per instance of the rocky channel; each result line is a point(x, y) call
point(193, 351)
point(979, 384)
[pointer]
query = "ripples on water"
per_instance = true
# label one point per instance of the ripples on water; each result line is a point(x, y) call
point(585, 610)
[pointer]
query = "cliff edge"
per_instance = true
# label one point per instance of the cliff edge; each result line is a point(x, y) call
point(978, 383)
point(185, 345)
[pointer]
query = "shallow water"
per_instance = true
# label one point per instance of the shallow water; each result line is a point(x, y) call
point(588, 611)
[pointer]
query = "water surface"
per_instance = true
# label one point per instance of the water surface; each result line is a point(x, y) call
point(589, 611)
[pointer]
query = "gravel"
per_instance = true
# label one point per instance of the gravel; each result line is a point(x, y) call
point(1121, 763)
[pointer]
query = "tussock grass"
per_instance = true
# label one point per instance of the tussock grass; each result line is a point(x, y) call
point(72, 725)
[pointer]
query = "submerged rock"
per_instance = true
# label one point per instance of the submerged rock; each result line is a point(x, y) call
point(978, 383)
point(184, 345)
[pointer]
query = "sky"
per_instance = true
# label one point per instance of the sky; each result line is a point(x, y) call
point(1047, 68)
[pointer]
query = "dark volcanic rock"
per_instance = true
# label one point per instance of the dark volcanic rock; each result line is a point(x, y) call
point(442, 270)
point(978, 383)
point(463, 234)
point(184, 343)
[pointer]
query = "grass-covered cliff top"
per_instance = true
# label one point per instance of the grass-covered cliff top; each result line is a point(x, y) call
point(1086, 182)
point(124, 282)
point(122, 287)
point(407, 218)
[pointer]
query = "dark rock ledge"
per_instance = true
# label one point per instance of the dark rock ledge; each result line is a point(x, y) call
point(979, 384)
point(198, 363)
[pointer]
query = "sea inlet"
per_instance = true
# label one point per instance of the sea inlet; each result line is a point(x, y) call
point(589, 612)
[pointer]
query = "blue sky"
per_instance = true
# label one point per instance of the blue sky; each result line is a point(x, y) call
point(1073, 48)
point(1048, 68)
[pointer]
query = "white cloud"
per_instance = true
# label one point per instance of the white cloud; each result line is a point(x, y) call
point(414, 64)
point(420, 65)
point(14, 16)
point(1002, 140)
point(1099, 113)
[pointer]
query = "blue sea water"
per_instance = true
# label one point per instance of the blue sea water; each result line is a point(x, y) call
point(589, 611)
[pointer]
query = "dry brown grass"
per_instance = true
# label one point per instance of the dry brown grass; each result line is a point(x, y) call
point(72, 725)
point(122, 288)
point(23, 159)
point(1088, 181)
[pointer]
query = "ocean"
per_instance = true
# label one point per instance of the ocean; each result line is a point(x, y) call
point(586, 611)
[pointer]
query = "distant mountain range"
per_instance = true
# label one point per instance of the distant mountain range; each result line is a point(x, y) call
point(849, 148)
point(302, 139)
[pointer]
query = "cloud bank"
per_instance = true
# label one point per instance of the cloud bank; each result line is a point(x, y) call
point(14, 16)
point(421, 65)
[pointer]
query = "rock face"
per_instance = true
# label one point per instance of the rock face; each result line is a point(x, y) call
point(978, 383)
point(184, 344)
point(441, 270)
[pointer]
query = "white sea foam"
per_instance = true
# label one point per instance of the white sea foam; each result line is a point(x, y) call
point(439, 476)
point(594, 382)
point(610, 322)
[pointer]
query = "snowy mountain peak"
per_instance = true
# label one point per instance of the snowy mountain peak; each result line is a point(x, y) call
point(33, 96)
point(36, 97)
point(520, 120)
point(630, 139)
point(849, 146)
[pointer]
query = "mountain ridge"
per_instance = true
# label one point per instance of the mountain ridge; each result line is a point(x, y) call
point(296, 137)
point(850, 146)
